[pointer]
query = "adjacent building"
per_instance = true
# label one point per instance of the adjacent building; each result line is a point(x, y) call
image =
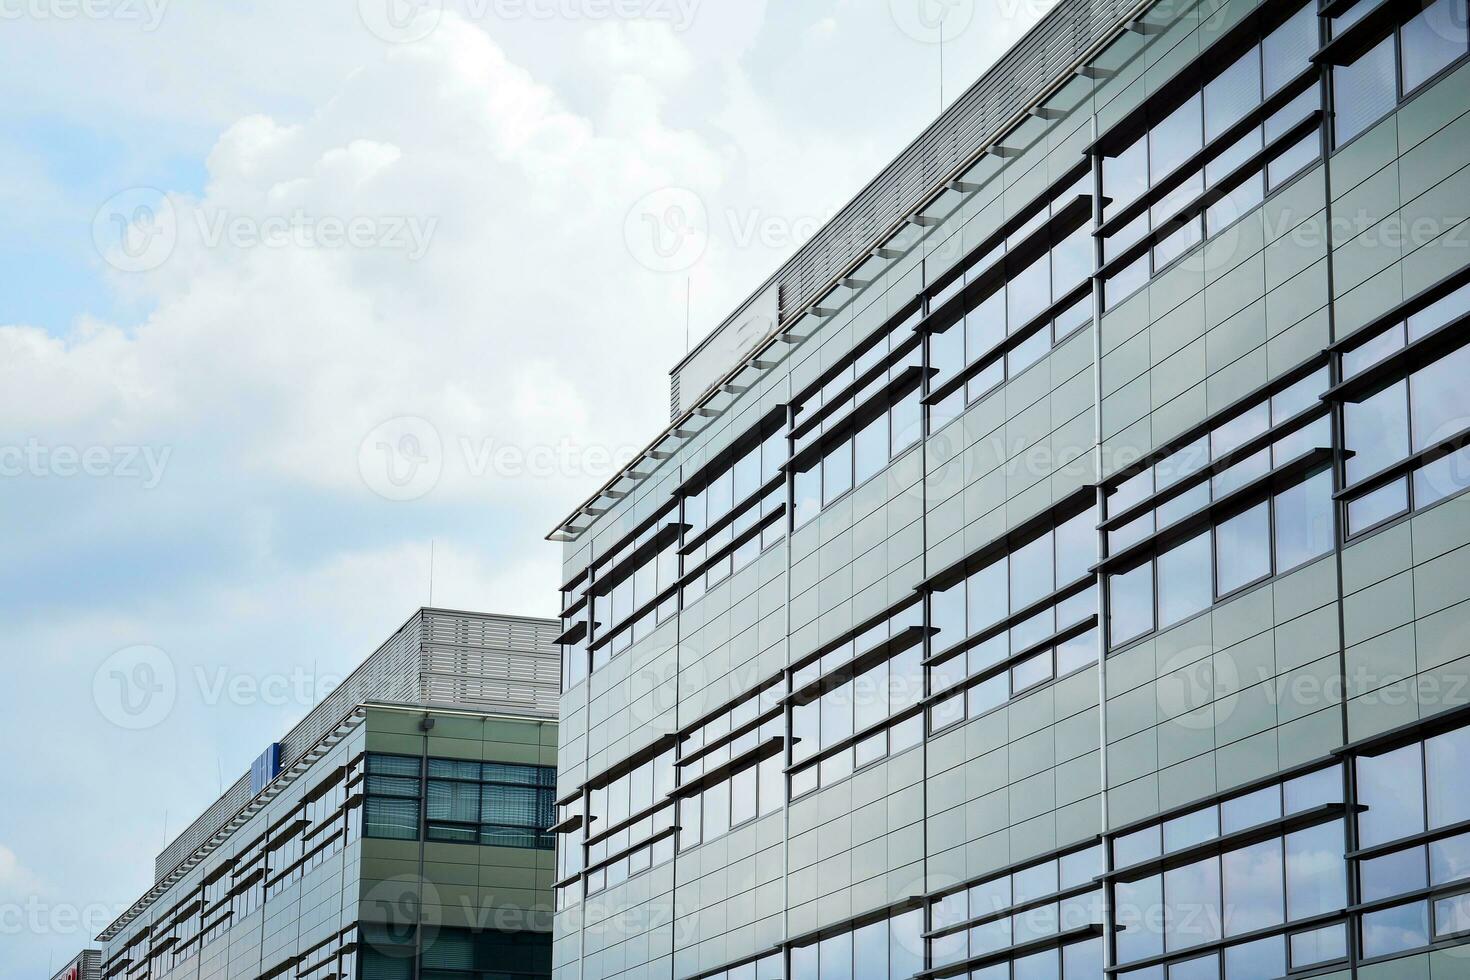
point(399, 831)
point(1061, 567)
point(86, 966)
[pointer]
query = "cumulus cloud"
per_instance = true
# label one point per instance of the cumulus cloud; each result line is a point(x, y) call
point(436, 232)
point(14, 878)
point(489, 292)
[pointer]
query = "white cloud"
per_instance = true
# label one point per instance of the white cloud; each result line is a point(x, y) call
point(528, 334)
point(522, 311)
point(14, 878)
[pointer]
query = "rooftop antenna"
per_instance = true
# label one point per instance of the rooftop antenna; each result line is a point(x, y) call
point(688, 307)
point(431, 572)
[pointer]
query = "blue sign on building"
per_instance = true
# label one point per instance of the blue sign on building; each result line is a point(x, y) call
point(265, 768)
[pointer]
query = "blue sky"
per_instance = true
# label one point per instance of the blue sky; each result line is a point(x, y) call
point(333, 240)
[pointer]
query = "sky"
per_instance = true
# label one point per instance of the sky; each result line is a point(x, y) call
point(294, 295)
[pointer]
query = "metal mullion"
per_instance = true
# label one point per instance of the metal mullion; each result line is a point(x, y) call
point(1424, 791)
point(1104, 620)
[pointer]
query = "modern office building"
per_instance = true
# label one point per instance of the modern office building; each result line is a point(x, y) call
point(1060, 567)
point(398, 832)
point(86, 966)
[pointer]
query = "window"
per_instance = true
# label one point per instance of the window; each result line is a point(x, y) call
point(1175, 138)
point(1404, 791)
point(1125, 176)
point(1291, 523)
point(853, 702)
point(464, 802)
point(1286, 49)
point(1009, 318)
point(1420, 410)
point(836, 472)
point(1393, 874)
point(957, 937)
point(490, 803)
point(992, 642)
point(1166, 905)
point(1184, 580)
point(1433, 39)
point(1192, 905)
point(1449, 860)
point(870, 450)
point(1364, 90)
point(1243, 549)
point(1375, 73)
point(1316, 946)
point(1159, 210)
point(1230, 96)
point(851, 448)
point(1254, 888)
point(1447, 759)
point(387, 952)
point(391, 797)
point(1131, 604)
point(1389, 786)
point(1303, 524)
point(1314, 875)
point(889, 949)
point(1396, 929)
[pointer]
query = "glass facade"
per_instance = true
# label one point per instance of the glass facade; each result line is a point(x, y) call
point(1075, 588)
point(461, 802)
point(366, 865)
